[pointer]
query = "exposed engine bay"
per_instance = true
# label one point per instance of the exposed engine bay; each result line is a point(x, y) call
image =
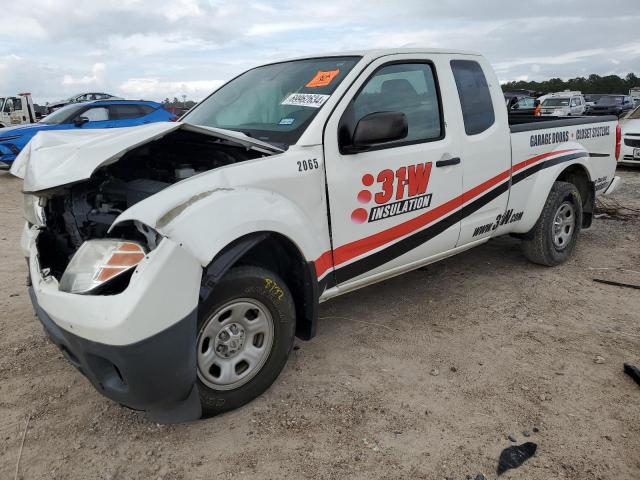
point(86, 210)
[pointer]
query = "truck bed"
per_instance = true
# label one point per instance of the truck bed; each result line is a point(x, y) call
point(525, 123)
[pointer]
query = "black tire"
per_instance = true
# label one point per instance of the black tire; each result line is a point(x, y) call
point(270, 290)
point(538, 245)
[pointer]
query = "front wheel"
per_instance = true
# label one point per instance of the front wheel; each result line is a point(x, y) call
point(553, 238)
point(246, 329)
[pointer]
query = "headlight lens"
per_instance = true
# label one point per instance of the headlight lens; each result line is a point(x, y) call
point(34, 210)
point(99, 261)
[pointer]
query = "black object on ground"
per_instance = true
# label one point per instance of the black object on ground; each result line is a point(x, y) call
point(513, 457)
point(633, 372)
point(616, 284)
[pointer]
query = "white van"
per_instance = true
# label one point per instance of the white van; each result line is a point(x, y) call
point(563, 104)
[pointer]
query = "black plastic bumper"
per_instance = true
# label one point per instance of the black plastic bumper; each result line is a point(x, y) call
point(157, 375)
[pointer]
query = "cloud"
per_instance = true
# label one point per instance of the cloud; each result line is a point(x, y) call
point(155, 88)
point(96, 77)
point(159, 48)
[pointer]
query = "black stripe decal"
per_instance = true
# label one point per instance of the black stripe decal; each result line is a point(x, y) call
point(395, 250)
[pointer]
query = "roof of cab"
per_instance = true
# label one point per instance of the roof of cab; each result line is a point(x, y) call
point(383, 52)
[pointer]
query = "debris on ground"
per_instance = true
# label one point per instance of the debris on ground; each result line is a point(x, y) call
point(599, 359)
point(633, 372)
point(616, 284)
point(513, 457)
point(613, 209)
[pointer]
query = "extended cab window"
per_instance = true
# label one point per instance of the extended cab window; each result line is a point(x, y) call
point(475, 97)
point(274, 103)
point(407, 88)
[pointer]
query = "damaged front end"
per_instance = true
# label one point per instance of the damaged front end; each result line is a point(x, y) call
point(118, 298)
point(69, 218)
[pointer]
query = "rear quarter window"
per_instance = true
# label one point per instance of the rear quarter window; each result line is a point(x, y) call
point(475, 97)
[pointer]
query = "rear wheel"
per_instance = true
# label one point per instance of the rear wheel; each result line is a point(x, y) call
point(553, 238)
point(245, 333)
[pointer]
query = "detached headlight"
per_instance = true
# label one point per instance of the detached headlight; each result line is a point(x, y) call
point(98, 262)
point(34, 210)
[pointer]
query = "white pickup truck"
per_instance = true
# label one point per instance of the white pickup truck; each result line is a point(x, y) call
point(174, 263)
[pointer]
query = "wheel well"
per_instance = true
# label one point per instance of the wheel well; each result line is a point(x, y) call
point(277, 253)
point(578, 176)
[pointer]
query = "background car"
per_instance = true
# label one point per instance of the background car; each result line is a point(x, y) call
point(563, 104)
point(630, 149)
point(98, 114)
point(611, 105)
point(80, 98)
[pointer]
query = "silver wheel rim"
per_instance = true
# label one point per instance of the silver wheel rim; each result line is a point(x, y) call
point(234, 344)
point(564, 224)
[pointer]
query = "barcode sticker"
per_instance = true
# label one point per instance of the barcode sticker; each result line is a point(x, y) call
point(313, 100)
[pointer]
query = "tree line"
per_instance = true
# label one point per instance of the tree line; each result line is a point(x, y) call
point(591, 84)
point(182, 103)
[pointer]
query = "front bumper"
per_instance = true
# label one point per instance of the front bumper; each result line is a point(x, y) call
point(156, 375)
point(137, 347)
point(629, 146)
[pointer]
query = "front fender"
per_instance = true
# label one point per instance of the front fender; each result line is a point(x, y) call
point(207, 222)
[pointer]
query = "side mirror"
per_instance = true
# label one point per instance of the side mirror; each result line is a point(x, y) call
point(80, 121)
point(376, 128)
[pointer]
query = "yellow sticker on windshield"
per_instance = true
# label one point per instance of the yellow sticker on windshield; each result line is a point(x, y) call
point(322, 79)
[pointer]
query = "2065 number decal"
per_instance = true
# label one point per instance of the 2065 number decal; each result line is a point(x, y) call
point(306, 165)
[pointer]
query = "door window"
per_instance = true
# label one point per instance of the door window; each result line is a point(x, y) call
point(407, 88)
point(13, 104)
point(123, 112)
point(526, 102)
point(97, 114)
point(475, 97)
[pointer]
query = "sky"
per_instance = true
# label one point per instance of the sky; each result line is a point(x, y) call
point(154, 49)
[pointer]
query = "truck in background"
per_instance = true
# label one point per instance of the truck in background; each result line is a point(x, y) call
point(17, 110)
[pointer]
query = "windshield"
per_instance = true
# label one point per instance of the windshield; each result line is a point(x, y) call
point(273, 103)
point(556, 102)
point(62, 115)
point(609, 100)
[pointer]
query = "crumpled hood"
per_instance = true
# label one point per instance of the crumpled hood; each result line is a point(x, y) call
point(60, 157)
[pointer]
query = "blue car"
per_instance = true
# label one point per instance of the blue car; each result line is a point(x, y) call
point(98, 114)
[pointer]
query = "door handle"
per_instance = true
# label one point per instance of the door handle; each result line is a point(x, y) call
point(446, 163)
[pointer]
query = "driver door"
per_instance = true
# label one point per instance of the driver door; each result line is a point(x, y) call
point(393, 205)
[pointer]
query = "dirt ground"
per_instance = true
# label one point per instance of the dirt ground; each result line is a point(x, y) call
point(423, 376)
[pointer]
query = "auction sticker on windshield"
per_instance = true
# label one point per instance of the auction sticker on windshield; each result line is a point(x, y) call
point(314, 100)
point(322, 79)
